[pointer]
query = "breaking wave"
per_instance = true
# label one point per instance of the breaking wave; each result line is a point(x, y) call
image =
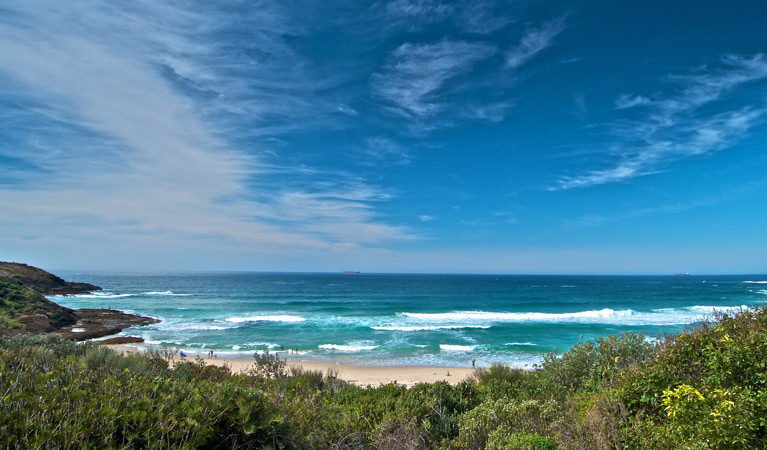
point(662, 316)
point(427, 327)
point(165, 293)
point(266, 318)
point(347, 348)
point(457, 348)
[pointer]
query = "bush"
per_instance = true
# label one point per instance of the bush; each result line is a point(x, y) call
point(592, 366)
point(704, 389)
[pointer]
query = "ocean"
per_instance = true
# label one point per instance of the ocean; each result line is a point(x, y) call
point(410, 320)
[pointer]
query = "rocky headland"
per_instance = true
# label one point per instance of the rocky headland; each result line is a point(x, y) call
point(24, 308)
point(41, 281)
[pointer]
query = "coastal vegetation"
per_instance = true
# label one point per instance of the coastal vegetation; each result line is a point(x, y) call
point(703, 389)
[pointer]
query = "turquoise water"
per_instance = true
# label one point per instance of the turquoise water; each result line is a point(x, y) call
point(429, 320)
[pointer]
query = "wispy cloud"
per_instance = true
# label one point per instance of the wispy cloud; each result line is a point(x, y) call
point(416, 75)
point(414, 13)
point(160, 111)
point(534, 41)
point(677, 126)
point(491, 112)
point(346, 109)
point(625, 101)
point(379, 149)
point(483, 17)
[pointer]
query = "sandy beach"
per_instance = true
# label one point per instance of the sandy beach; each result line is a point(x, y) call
point(358, 375)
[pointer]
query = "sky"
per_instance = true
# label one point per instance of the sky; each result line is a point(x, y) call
point(481, 136)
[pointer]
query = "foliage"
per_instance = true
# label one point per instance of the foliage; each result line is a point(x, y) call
point(16, 299)
point(703, 389)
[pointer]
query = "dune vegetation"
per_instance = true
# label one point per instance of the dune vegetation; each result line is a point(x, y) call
point(703, 389)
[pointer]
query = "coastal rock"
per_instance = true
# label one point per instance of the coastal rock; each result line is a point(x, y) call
point(41, 281)
point(122, 340)
point(96, 323)
point(24, 308)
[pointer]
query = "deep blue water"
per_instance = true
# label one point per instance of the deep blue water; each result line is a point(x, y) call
point(383, 319)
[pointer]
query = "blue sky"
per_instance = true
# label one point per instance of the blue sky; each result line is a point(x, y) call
point(404, 136)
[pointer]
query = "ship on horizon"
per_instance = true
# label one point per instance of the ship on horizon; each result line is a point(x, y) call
point(351, 271)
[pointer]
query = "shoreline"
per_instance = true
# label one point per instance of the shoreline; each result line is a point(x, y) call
point(361, 376)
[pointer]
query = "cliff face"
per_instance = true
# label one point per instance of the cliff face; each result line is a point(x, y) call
point(41, 281)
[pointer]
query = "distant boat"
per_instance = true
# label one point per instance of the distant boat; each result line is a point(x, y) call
point(681, 274)
point(351, 271)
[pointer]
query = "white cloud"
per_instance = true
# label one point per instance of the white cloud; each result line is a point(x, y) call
point(426, 218)
point(380, 149)
point(491, 112)
point(483, 17)
point(673, 127)
point(625, 101)
point(417, 73)
point(413, 13)
point(159, 169)
point(346, 109)
point(533, 42)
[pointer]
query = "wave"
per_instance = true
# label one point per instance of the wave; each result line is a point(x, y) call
point(266, 318)
point(661, 316)
point(457, 348)
point(347, 348)
point(427, 327)
point(98, 295)
point(755, 282)
point(509, 316)
point(169, 293)
point(520, 344)
point(701, 310)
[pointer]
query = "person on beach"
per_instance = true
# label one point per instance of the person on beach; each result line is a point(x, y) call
point(473, 363)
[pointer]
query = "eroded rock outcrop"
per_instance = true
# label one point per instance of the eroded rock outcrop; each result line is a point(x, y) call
point(24, 308)
point(41, 281)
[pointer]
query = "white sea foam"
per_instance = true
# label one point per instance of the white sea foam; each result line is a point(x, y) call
point(427, 327)
point(755, 282)
point(662, 316)
point(521, 343)
point(457, 348)
point(193, 326)
point(165, 293)
point(267, 318)
point(701, 309)
point(514, 317)
point(101, 295)
point(348, 348)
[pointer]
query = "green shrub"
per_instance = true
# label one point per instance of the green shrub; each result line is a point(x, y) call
point(514, 416)
point(504, 439)
point(593, 365)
